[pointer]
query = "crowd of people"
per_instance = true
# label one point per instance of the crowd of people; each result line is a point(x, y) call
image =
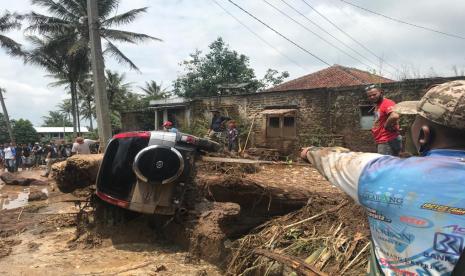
point(15, 157)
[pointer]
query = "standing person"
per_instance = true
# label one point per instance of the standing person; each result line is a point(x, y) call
point(2, 158)
point(10, 156)
point(217, 124)
point(232, 136)
point(416, 205)
point(82, 146)
point(62, 150)
point(36, 152)
point(385, 129)
point(26, 156)
point(51, 155)
point(18, 156)
point(168, 126)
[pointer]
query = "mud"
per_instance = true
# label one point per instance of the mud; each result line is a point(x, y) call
point(78, 234)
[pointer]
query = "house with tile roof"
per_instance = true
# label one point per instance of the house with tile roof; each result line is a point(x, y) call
point(324, 108)
point(331, 77)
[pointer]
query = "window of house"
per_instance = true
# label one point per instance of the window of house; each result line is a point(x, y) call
point(367, 116)
point(280, 126)
point(289, 127)
point(273, 122)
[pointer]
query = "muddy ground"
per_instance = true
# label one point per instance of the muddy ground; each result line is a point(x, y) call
point(43, 237)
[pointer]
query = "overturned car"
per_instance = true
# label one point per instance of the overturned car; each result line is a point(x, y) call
point(150, 171)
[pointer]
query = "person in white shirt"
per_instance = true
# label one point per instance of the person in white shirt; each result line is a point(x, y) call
point(10, 156)
point(82, 146)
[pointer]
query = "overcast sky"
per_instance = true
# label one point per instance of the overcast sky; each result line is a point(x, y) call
point(185, 25)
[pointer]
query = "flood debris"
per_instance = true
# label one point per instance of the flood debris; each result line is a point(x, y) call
point(326, 237)
point(16, 179)
point(76, 172)
point(36, 195)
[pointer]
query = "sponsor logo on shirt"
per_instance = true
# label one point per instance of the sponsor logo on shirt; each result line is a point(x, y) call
point(397, 271)
point(443, 209)
point(456, 229)
point(401, 240)
point(383, 198)
point(375, 214)
point(448, 244)
point(441, 257)
point(416, 222)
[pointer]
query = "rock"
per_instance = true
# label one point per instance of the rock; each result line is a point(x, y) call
point(37, 195)
point(13, 179)
point(160, 268)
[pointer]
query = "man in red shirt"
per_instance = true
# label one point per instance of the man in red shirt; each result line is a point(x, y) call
point(385, 129)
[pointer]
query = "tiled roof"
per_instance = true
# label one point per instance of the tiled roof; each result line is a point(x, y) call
point(334, 76)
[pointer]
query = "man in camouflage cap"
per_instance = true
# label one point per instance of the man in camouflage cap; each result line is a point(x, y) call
point(415, 206)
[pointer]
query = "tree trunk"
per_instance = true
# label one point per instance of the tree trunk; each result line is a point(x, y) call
point(7, 119)
point(73, 107)
point(78, 115)
point(89, 106)
point(91, 125)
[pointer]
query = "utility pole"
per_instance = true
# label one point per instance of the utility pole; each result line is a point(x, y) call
point(101, 100)
point(5, 113)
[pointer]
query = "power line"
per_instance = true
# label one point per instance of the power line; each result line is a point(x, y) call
point(349, 36)
point(319, 36)
point(278, 33)
point(258, 36)
point(404, 22)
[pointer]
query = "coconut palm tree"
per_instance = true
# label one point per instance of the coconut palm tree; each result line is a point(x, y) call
point(70, 17)
point(68, 68)
point(86, 96)
point(9, 22)
point(154, 91)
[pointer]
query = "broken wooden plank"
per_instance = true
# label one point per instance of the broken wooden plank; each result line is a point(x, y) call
point(301, 267)
point(247, 161)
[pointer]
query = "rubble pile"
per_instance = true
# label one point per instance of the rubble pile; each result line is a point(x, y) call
point(329, 236)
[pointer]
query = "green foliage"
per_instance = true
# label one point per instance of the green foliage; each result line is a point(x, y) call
point(272, 78)
point(4, 137)
point(199, 127)
point(153, 91)
point(56, 119)
point(220, 66)
point(9, 22)
point(24, 132)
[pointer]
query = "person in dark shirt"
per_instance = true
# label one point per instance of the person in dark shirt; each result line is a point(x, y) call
point(18, 156)
point(51, 157)
point(26, 157)
point(217, 125)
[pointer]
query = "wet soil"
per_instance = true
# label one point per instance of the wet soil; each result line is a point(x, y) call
point(48, 236)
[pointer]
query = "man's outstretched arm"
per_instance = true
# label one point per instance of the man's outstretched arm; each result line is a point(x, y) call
point(339, 166)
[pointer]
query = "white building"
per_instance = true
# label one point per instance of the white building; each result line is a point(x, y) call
point(57, 132)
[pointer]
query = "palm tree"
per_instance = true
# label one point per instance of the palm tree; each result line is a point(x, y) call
point(65, 108)
point(55, 119)
point(67, 67)
point(70, 17)
point(86, 96)
point(154, 91)
point(9, 22)
point(117, 90)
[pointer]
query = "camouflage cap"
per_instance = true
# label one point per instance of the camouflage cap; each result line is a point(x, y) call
point(443, 104)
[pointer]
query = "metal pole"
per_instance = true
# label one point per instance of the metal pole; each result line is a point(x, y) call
point(7, 119)
point(101, 100)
